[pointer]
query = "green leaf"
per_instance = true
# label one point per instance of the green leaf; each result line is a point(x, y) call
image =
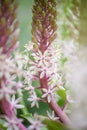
point(61, 102)
point(62, 99)
point(62, 93)
point(26, 116)
point(35, 83)
point(2, 125)
point(54, 125)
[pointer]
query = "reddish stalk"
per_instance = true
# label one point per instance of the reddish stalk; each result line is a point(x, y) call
point(54, 106)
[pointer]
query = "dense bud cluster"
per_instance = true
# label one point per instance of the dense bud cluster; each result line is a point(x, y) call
point(8, 25)
point(43, 23)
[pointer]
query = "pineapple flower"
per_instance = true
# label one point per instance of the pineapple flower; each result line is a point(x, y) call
point(52, 116)
point(47, 63)
point(43, 58)
point(12, 123)
point(35, 123)
point(44, 63)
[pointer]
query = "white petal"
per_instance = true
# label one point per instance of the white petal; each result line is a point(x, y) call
point(42, 74)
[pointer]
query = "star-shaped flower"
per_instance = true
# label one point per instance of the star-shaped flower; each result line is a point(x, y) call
point(52, 116)
point(35, 123)
point(15, 103)
point(48, 93)
point(34, 99)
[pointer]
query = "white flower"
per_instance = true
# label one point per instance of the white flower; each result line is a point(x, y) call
point(35, 123)
point(55, 51)
point(7, 66)
point(18, 87)
point(28, 75)
point(29, 46)
point(5, 92)
point(55, 78)
point(48, 93)
point(69, 98)
point(52, 116)
point(41, 58)
point(12, 123)
point(44, 71)
point(31, 89)
point(34, 99)
point(15, 103)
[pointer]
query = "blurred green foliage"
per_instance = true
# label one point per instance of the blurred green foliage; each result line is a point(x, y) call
point(54, 125)
point(25, 20)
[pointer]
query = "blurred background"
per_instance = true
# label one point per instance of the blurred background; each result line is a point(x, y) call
point(25, 19)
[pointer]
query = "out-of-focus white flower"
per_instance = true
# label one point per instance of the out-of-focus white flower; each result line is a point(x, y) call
point(28, 75)
point(55, 51)
point(12, 123)
point(15, 103)
point(18, 87)
point(10, 74)
point(7, 66)
point(31, 89)
point(5, 92)
point(44, 70)
point(29, 46)
point(48, 93)
point(55, 78)
point(52, 116)
point(34, 99)
point(35, 123)
point(69, 98)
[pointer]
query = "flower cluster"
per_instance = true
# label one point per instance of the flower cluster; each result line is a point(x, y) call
point(9, 74)
point(10, 84)
point(41, 65)
point(10, 65)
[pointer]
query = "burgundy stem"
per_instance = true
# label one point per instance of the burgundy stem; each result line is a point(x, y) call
point(63, 117)
point(6, 109)
point(54, 106)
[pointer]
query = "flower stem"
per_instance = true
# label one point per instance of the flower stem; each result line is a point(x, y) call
point(54, 106)
point(63, 117)
point(6, 108)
